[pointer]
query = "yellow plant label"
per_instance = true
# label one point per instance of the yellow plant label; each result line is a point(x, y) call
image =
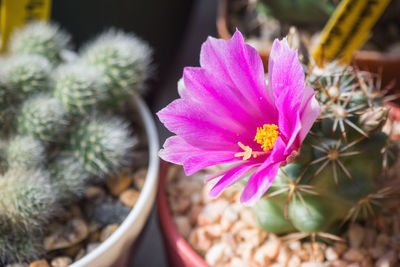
point(348, 29)
point(15, 13)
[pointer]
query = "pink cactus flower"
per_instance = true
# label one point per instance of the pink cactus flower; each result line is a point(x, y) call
point(227, 113)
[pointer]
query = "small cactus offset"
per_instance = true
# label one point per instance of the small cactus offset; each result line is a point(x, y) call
point(339, 174)
point(102, 144)
point(27, 200)
point(79, 87)
point(68, 178)
point(42, 117)
point(39, 38)
point(24, 152)
point(26, 74)
point(125, 61)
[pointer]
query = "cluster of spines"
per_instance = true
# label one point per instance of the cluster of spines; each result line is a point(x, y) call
point(338, 166)
point(79, 87)
point(102, 144)
point(124, 59)
point(39, 38)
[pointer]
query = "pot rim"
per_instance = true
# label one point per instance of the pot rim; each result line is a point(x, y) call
point(169, 230)
point(150, 183)
point(223, 32)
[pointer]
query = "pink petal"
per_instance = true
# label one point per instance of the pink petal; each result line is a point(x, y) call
point(231, 177)
point(262, 179)
point(198, 126)
point(286, 81)
point(240, 67)
point(309, 112)
point(193, 159)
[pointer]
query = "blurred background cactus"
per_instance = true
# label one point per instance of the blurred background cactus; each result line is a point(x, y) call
point(56, 137)
point(339, 176)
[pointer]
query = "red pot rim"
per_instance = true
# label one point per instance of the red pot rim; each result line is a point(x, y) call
point(171, 233)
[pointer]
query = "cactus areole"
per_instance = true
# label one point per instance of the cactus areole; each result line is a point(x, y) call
point(308, 144)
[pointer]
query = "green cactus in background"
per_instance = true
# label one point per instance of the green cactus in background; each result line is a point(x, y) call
point(79, 87)
point(102, 144)
point(39, 38)
point(299, 12)
point(338, 175)
point(42, 117)
point(68, 178)
point(24, 152)
point(26, 74)
point(124, 59)
point(27, 200)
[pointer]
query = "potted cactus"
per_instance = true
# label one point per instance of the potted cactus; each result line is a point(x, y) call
point(262, 21)
point(305, 154)
point(74, 133)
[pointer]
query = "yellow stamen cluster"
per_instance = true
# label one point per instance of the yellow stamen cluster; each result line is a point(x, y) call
point(266, 136)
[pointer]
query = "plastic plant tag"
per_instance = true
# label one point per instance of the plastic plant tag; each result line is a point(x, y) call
point(15, 13)
point(348, 29)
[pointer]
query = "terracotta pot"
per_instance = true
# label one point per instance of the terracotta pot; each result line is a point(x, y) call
point(179, 252)
point(388, 65)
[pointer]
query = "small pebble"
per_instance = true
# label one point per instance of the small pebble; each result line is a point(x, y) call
point(39, 263)
point(353, 254)
point(108, 231)
point(139, 178)
point(129, 197)
point(61, 262)
point(118, 183)
point(17, 265)
point(81, 253)
point(387, 260)
point(67, 236)
point(110, 213)
point(92, 191)
point(356, 235)
point(183, 225)
point(331, 254)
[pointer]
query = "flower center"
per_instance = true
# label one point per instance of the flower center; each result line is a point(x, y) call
point(266, 136)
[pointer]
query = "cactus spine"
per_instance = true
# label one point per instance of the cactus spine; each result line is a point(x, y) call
point(24, 152)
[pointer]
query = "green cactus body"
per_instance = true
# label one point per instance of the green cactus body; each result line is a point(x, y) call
point(24, 152)
point(26, 74)
point(68, 178)
point(42, 117)
point(299, 12)
point(125, 61)
point(341, 161)
point(102, 145)
point(79, 87)
point(27, 200)
point(39, 38)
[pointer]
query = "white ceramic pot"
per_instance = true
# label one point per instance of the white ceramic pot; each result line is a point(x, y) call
point(116, 249)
